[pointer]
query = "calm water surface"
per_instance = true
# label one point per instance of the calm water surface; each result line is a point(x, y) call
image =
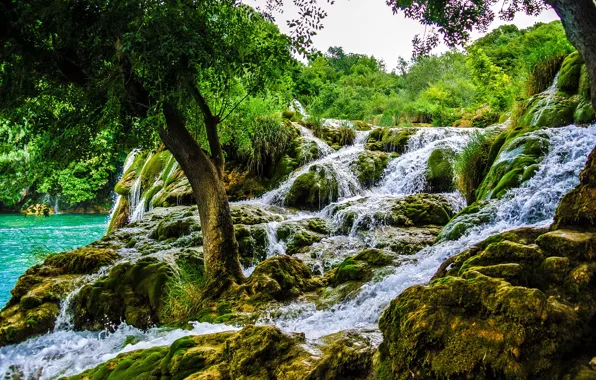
point(25, 240)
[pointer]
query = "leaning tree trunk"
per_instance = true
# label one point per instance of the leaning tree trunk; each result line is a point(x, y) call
point(220, 248)
point(579, 20)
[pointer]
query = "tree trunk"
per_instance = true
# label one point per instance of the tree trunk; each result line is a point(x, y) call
point(222, 266)
point(579, 20)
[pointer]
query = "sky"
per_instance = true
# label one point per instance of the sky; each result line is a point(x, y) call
point(369, 27)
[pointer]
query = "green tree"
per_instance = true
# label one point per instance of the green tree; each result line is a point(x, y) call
point(181, 67)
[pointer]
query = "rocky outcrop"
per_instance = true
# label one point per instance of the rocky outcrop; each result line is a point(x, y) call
point(255, 352)
point(439, 175)
point(370, 167)
point(390, 139)
point(35, 302)
point(518, 305)
point(313, 190)
point(567, 102)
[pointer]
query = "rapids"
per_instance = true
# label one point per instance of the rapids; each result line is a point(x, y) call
point(66, 352)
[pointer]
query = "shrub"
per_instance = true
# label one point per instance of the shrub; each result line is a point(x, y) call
point(543, 74)
point(474, 162)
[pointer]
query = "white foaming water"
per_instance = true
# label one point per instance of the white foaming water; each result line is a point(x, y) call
point(67, 352)
point(337, 166)
point(406, 174)
point(308, 135)
point(127, 163)
point(136, 204)
point(533, 204)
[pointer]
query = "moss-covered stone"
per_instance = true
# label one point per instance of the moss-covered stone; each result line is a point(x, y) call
point(584, 113)
point(255, 352)
point(370, 167)
point(390, 139)
point(35, 301)
point(578, 208)
point(548, 111)
point(518, 155)
point(473, 215)
point(168, 229)
point(505, 308)
point(570, 72)
point(439, 175)
point(313, 190)
point(131, 292)
point(252, 243)
point(300, 234)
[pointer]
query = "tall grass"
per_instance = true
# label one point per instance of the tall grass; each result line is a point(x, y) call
point(184, 294)
point(474, 162)
point(543, 74)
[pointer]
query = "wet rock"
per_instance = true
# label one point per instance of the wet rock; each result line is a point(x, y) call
point(35, 301)
point(255, 352)
point(403, 240)
point(473, 215)
point(300, 234)
point(514, 306)
point(439, 175)
point(390, 139)
point(174, 229)
point(578, 208)
point(370, 167)
point(38, 209)
point(131, 292)
point(252, 243)
point(313, 190)
point(570, 73)
point(251, 214)
point(517, 162)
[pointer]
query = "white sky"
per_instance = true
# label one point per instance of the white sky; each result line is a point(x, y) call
point(369, 27)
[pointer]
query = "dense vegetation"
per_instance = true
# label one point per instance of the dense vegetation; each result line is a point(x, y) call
point(473, 87)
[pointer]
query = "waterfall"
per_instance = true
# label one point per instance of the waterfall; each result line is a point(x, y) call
point(136, 203)
point(66, 352)
point(127, 164)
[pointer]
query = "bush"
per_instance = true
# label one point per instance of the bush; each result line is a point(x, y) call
point(474, 162)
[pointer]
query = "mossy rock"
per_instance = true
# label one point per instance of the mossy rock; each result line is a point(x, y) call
point(473, 215)
point(577, 209)
point(505, 308)
point(313, 190)
point(249, 214)
point(35, 302)
point(403, 240)
point(360, 267)
point(131, 292)
point(300, 234)
point(370, 167)
point(439, 175)
point(176, 228)
point(548, 111)
point(390, 139)
point(584, 114)
point(569, 75)
point(280, 278)
point(255, 352)
point(515, 164)
point(360, 125)
point(252, 243)
point(177, 192)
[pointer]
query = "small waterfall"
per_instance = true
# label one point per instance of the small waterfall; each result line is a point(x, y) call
point(127, 164)
point(136, 204)
point(308, 135)
point(406, 174)
point(336, 164)
point(296, 106)
point(546, 102)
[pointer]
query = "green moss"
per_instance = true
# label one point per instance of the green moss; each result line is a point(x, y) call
point(390, 139)
point(518, 159)
point(439, 175)
point(370, 167)
point(584, 114)
point(570, 73)
point(131, 293)
point(313, 190)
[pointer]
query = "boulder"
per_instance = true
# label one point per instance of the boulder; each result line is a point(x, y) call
point(390, 139)
point(370, 167)
point(439, 174)
point(313, 190)
point(518, 305)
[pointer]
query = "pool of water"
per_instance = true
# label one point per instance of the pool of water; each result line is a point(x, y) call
point(24, 241)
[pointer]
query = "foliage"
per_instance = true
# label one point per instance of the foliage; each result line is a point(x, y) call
point(473, 163)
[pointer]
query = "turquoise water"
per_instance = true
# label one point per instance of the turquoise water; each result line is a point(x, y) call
point(24, 240)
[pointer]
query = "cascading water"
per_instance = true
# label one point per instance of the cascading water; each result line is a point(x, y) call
point(65, 352)
point(136, 203)
point(127, 164)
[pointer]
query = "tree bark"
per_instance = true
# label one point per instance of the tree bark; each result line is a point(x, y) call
point(579, 20)
point(220, 248)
